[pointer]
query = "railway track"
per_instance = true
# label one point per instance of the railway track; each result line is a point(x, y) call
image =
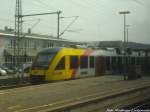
point(10, 82)
point(3, 87)
point(140, 106)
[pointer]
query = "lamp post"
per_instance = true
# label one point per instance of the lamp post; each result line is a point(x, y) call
point(124, 13)
point(58, 23)
point(127, 45)
point(127, 28)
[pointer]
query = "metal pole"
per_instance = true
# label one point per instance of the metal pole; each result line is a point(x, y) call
point(124, 32)
point(30, 15)
point(18, 31)
point(124, 44)
point(127, 26)
point(58, 19)
point(124, 48)
point(58, 23)
point(127, 45)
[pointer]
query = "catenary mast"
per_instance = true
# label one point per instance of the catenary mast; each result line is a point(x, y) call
point(18, 31)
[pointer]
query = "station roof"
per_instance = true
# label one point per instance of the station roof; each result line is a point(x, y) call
point(119, 44)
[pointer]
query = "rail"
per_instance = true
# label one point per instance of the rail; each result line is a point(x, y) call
point(13, 82)
point(14, 86)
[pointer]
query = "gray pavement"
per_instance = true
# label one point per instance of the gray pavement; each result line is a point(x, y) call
point(35, 98)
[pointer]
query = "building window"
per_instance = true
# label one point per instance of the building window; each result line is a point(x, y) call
point(61, 64)
point(32, 44)
point(84, 62)
point(74, 62)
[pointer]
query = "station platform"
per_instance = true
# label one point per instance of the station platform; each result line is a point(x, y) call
point(53, 96)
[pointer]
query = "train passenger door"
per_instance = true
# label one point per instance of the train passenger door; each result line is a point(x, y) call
point(74, 66)
point(92, 65)
point(84, 66)
point(60, 69)
point(100, 65)
point(108, 65)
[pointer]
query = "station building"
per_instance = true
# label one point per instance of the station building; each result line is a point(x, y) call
point(29, 46)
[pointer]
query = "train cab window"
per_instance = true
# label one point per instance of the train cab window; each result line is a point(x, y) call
point(61, 64)
point(74, 62)
point(83, 62)
point(43, 60)
point(91, 61)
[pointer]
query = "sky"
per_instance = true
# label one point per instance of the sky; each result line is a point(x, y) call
point(98, 20)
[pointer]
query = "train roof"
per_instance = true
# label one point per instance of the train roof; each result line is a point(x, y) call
point(51, 50)
point(92, 52)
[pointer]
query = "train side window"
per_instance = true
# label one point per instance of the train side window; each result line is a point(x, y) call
point(108, 63)
point(74, 62)
point(61, 64)
point(83, 62)
point(133, 60)
point(91, 61)
point(138, 61)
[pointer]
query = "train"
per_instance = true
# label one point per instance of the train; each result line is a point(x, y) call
point(62, 63)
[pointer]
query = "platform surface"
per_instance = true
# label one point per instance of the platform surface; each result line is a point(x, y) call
point(35, 98)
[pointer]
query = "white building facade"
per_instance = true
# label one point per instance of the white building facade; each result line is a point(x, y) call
point(29, 46)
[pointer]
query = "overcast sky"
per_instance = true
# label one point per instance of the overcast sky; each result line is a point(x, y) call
point(98, 19)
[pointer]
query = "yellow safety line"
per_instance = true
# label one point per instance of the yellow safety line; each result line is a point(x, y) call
point(14, 107)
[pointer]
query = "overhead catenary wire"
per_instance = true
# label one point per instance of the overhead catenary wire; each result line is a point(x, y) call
point(87, 6)
point(6, 20)
point(76, 17)
point(43, 5)
point(95, 9)
point(142, 4)
point(46, 5)
point(79, 3)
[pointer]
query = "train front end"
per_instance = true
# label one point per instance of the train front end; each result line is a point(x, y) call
point(41, 66)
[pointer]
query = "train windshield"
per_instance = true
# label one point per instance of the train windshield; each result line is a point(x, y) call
point(43, 60)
